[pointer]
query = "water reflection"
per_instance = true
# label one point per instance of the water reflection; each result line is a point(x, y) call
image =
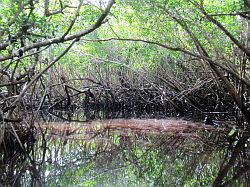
point(135, 152)
point(83, 115)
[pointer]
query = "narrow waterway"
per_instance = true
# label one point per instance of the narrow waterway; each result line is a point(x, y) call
point(130, 152)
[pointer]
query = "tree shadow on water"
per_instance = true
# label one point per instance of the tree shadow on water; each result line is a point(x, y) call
point(129, 152)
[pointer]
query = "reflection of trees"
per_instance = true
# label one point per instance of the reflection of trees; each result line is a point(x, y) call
point(127, 157)
point(17, 157)
point(200, 168)
point(236, 163)
point(174, 161)
point(94, 156)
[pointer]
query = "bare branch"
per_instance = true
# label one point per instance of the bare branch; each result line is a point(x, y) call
point(245, 81)
point(74, 20)
point(62, 7)
point(42, 72)
point(149, 42)
point(242, 14)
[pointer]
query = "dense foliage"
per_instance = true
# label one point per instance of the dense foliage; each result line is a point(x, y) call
point(180, 57)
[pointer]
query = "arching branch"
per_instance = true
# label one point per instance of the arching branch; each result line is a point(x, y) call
point(60, 39)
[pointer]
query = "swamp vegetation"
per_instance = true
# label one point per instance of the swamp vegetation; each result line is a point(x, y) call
point(124, 93)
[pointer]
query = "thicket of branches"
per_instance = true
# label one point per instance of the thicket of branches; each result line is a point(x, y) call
point(180, 57)
point(173, 56)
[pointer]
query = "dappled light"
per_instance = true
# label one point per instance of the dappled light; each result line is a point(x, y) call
point(124, 93)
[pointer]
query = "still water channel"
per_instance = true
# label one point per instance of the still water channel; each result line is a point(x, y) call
point(134, 152)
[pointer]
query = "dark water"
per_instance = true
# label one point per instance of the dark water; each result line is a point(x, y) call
point(132, 152)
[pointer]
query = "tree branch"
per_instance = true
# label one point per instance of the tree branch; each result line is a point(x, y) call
point(74, 20)
point(222, 28)
point(57, 40)
point(42, 72)
point(149, 42)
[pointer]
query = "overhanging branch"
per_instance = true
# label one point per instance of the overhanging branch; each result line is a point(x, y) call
point(57, 40)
